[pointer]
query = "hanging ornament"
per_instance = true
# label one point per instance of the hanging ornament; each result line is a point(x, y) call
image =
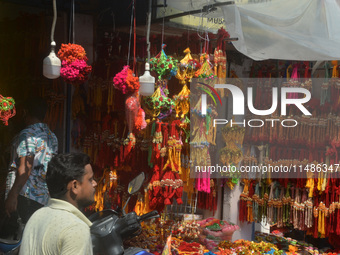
point(154, 189)
point(335, 80)
point(74, 69)
point(165, 66)
point(140, 122)
point(293, 81)
point(186, 70)
point(159, 105)
point(220, 58)
point(125, 81)
point(325, 87)
point(131, 111)
point(172, 185)
point(182, 104)
point(187, 67)
point(205, 71)
point(233, 137)
point(7, 109)
point(308, 81)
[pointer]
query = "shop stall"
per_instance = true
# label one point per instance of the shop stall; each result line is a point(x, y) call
point(228, 143)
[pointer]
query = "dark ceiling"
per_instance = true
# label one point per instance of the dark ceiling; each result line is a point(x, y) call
point(106, 11)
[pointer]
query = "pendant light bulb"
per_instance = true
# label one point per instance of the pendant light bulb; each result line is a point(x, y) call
point(147, 82)
point(51, 64)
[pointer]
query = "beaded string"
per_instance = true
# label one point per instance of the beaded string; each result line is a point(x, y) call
point(287, 206)
point(280, 208)
point(249, 203)
point(325, 91)
point(243, 200)
point(276, 199)
point(256, 197)
point(270, 209)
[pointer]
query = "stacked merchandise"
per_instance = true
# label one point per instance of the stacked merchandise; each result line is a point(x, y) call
point(153, 236)
point(287, 244)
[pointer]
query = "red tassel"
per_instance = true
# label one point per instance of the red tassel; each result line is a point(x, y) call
point(240, 215)
point(179, 189)
point(338, 221)
point(121, 153)
point(167, 201)
point(154, 191)
point(140, 120)
point(316, 204)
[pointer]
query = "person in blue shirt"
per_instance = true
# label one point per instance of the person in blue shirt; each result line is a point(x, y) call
point(35, 146)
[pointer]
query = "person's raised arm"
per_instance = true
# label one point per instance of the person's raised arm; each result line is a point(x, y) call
point(23, 173)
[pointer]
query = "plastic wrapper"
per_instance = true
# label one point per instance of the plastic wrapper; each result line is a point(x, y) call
point(214, 231)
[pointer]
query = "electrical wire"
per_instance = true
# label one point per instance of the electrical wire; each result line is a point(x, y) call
point(132, 11)
point(54, 20)
point(71, 25)
point(148, 30)
point(163, 27)
point(73, 22)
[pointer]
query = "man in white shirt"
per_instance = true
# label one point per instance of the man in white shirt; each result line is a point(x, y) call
point(60, 227)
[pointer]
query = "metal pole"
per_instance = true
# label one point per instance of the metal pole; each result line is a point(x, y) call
point(69, 86)
point(68, 117)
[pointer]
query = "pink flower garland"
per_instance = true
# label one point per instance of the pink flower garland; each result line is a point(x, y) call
point(74, 69)
point(125, 81)
point(70, 71)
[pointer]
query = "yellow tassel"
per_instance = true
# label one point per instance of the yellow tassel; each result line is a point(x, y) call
point(146, 207)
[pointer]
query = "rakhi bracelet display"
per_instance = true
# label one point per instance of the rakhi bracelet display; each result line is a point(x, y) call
point(7, 109)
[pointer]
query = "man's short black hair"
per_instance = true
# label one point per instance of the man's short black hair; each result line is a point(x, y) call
point(36, 107)
point(64, 168)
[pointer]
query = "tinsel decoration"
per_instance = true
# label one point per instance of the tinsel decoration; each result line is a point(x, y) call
point(74, 67)
point(7, 108)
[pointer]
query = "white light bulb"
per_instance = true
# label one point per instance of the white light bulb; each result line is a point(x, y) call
point(51, 64)
point(147, 82)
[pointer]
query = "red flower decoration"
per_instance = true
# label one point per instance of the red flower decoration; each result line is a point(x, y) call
point(74, 69)
point(125, 81)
